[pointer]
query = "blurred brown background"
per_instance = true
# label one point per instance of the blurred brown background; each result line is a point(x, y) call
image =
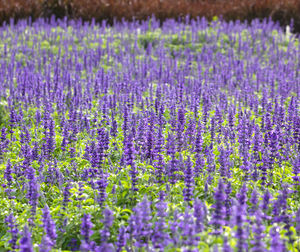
point(282, 11)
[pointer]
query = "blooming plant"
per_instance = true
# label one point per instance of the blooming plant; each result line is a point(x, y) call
point(141, 136)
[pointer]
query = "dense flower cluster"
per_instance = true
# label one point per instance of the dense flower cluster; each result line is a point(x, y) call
point(149, 136)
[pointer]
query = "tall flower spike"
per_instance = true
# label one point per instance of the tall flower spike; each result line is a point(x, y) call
point(160, 238)
point(199, 165)
point(129, 155)
point(49, 226)
point(107, 221)
point(298, 221)
point(51, 138)
point(32, 193)
point(13, 230)
point(189, 181)
point(3, 142)
point(188, 231)
point(159, 164)
point(199, 214)
point(276, 243)
point(139, 223)
point(180, 128)
point(218, 215)
point(258, 229)
point(150, 139)
point(46, 244)
point(66, 194)
point(25, 241)
point(226, 246)
point(101, 187)
point(238, 221)
point(122, 239)
point(86, 230)
point(242, 195)
point(172, 169)
point(190, 132)
point(254, 201)
point(228, 202)
point(8, 173)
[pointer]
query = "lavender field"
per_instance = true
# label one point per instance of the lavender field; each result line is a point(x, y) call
point(183, 136)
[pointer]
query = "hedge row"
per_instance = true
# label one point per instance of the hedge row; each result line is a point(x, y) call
point(283, 11)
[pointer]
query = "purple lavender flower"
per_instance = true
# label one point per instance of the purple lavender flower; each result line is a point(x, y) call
point(199, 140)
point(160, 238)
point(49, 227)
point(188, 231)
point(25, 241)
point(228, 202)
point(172, 169)
point(46, 244)
point(242, 195)
point(150, 139)
point(254, 201)
point(226, 246)
point(107, 221)
point(8, 173)
point(101, 187)
point(189, 181)
point(122, 238)
point(3, 142)
point(296, 171)
point(126, 121)
point(139, 223)
point(13, 230)
point(86, 232)
point(199, 214)
point(298, 221)
point(239, 221)
point(32, 193)
point(276, 243)
point(159, 164)
point(50, 138)
point(66, 195)
point(129, 154)
point(180, 128)
point(102, 145)
point(174, 228)
point(218, 215)
point(114, 127)
point(258, 229)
